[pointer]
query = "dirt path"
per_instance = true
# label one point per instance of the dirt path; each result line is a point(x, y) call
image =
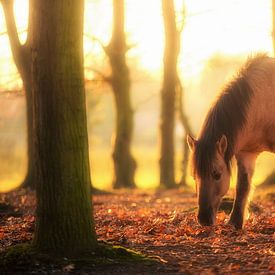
point(163, 225)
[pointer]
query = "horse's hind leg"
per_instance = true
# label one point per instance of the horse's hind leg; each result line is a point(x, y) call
point(246, 164)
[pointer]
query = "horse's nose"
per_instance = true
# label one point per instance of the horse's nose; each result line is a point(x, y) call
point(206, 217)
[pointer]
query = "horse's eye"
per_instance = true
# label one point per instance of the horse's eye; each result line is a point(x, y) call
point(216, 175)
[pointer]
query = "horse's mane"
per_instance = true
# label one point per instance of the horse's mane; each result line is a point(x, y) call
point(226, 117)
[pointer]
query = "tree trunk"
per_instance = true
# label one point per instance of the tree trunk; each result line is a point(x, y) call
point(187, 128)
point(168, 93)
point(29, 181)
point(124, 163)
point(63, 218)
point(22, 58)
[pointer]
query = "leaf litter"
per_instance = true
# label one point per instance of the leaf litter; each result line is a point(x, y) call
point(162, 225)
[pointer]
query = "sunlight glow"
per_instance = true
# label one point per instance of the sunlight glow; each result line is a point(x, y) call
point(230, 29)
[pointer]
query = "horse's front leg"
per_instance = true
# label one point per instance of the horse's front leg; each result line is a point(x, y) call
point(246, 165)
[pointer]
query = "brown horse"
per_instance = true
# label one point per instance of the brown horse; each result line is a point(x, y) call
point(240, 124)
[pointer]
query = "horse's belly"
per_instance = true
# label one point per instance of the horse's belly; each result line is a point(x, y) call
point(258, 141)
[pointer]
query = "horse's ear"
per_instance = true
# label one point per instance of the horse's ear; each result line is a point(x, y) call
point(222, 145)
point(191, 142)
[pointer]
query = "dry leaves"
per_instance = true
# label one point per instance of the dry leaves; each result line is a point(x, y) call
point(164, 225)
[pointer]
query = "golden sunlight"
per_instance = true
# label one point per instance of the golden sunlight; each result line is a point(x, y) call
point(229, 30)
point(225, 27)
point(148, 149)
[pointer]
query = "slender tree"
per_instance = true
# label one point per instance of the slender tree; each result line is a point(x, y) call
point(124, 163)
point(63, 219)
point(187, 130)
point(168, 95)
point(22, 59)
point(171, 99)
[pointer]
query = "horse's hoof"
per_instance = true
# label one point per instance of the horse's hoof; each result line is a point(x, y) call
point(238, 224)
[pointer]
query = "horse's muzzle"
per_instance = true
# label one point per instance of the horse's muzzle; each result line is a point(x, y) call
point(206, 217)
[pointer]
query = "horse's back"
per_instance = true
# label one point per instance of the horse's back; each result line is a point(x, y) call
point(260, 126)
point(261, 78)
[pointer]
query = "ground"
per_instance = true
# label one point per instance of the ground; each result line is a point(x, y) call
point(162, 225)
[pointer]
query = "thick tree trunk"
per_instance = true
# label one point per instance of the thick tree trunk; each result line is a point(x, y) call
point(168, 95)
point(22, 59)
point(124, 163)
point(63, 219)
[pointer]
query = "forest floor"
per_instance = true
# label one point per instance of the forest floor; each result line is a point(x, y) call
point(161, 224)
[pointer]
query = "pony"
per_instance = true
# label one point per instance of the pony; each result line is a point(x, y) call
point(240, 125)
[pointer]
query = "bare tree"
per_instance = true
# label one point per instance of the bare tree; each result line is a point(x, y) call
point(22, 58)
point(187, 130)
point(171, 92)
point(124, 163)
point(168, 95)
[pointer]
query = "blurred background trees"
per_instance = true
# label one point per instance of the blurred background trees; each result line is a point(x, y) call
point(209, 53)
point(22, 59)
point(168, 95)
point(172, 99)
point(124, 163)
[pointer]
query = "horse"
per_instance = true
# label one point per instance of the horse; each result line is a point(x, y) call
point(241, 125)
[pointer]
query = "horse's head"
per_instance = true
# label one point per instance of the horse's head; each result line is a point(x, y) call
point(212, 178)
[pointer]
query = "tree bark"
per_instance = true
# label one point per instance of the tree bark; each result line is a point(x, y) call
point(63, 217)
point(22, 59)
point(168, 94)
point(124, 163)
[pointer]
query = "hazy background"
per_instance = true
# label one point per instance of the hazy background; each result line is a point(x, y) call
point(217, 38)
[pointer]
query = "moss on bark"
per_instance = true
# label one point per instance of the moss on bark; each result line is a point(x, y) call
point(64, 222)
point(25, 257)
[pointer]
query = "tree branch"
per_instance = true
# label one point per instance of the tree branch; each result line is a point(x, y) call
point(11, 29)
point(182, 22)
point(20, 52)
point(95, 39)
point(103, 76)
point(30, 25)
point(186, 125)
point(3, 33)
point(13, 92)
point(182, 116)
point(6, 33)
